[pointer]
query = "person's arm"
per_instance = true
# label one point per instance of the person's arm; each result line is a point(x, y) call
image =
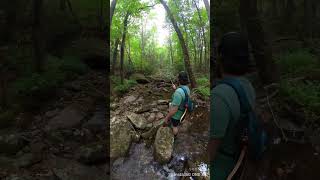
point(172, 111)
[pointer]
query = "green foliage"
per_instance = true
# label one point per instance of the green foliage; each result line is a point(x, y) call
point(307, 95)
point(297, 63)
point(39, 87)
point(203, 88)
point(122, 88)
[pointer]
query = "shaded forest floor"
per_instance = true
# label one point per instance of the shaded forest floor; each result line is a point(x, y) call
point(65, 140)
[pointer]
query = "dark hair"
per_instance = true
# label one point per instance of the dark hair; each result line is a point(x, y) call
point(183, 78)
point(234, 52)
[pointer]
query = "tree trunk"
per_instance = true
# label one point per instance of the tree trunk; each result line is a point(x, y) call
point(261, 48)
point(123, 41)
point(206, 3)
point(183, 45)
point(171, 53)
point(200, 51)
point(114, 56)
point(308, 18)
point(203, 35)
point(113, 6)
point(38, 39)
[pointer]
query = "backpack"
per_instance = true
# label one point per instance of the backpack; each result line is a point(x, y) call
point(250, 130)
point(188, 103)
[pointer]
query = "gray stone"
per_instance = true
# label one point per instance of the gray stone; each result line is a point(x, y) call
point(68, 118)
point(120, 140)
point(50, 114)
point(137, 120)
point(163, 145)
point(129, 99)
point(143, 109)
point(152, 117)
point(163, 102)
point(140, 78)
point(159, 116)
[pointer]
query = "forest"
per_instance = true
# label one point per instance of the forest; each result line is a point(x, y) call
point(284, 47)
point(53, 89)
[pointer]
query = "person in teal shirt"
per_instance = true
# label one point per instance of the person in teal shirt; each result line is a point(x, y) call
point(176, 107)
point(225, 107)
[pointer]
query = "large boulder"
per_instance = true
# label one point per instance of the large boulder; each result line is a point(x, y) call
point(68, 118)
point(120, 138)
point(163, 145)
point(137, 120)
point(129, 99)
point(140, 78)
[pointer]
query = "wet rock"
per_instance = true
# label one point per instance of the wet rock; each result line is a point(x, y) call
point(67, 169)
point(159, 116)
point(10, 144)
point(137, 120)
point(129, 99)
point(119, 139)
point(163, 102)
point(152, 117)
point(163, 145)
point(92, 153)
point(140, 78)
point(68, 118)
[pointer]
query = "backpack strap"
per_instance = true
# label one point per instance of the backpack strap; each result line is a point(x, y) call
point(185, 98)
point(245, 106)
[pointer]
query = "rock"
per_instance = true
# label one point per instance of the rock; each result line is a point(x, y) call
point(137, 120)
point(129, 99)
point(140, 100)
point(135, 137)
point(140, 78)
point(163, 102)
point(152, 117)
point(98, 122)
point(163, 145)
point(92, 153)
point(113, 106)
point(68, 118)
point(6, 163)
point(55, 136)
point(155, 110)
point(16, 177)
point(74, 86)
point(143, 109)
point(10, 144)
point(67, 169)
point(120, 140)
point(159, 116)
point(163, 107)
point(50, 114)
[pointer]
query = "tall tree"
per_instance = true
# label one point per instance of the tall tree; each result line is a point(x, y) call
point(183, 45)
point(113, 6)
point(261, 48)
point(206, 3)
point(114, 56)
point(125, 25)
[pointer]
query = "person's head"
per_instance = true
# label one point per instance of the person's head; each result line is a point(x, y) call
point(234, 54)
point(183, 78)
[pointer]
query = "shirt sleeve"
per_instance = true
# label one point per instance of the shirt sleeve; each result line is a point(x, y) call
point(177, 98)
point(219, 116)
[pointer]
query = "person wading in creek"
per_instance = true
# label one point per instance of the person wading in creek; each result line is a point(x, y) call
point(223, 150)
point(177, 109)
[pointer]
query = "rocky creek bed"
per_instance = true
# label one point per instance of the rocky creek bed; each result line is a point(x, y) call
point(140, 148)
point(64, 141)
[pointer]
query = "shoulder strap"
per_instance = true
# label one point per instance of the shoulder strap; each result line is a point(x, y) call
point(245, 106)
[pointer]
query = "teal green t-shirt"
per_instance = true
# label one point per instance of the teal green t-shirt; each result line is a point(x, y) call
point(178, 98)
point(224, 113)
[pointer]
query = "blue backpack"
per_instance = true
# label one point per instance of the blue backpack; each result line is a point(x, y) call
point(188, 103)
point(250, 130)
